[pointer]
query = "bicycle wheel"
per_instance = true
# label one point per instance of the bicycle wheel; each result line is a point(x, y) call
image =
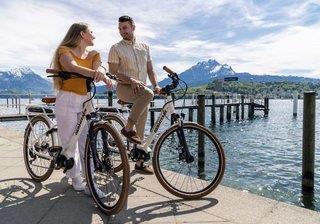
point(195, 179)
point(118, 124)
point(37, 141)
point(102, 176)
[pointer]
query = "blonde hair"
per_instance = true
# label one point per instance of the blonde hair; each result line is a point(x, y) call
point(71, 39)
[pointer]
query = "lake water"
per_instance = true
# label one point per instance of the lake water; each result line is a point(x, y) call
point(264, 155)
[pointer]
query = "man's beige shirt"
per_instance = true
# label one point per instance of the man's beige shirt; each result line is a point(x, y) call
point(132, 58)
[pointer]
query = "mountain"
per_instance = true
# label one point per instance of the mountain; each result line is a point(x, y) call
point(23, 80)
point(207, 71)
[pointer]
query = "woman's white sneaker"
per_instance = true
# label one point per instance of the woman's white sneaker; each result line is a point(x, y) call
point(77, 184)
point(99, 192)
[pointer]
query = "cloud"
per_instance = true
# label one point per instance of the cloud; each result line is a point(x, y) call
point(257, 38)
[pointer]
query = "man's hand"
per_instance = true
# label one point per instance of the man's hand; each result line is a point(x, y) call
point(137, 86)
point(157, 89)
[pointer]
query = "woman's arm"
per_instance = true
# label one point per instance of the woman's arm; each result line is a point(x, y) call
point(71, 65)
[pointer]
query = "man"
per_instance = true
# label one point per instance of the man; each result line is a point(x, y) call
point(131, 62)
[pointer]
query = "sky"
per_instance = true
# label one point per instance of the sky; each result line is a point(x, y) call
point(259, 37)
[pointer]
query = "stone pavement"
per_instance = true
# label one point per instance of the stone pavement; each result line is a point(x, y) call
point(54, 201)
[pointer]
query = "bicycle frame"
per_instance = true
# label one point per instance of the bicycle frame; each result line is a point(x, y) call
point(167, 110)
point(53, 128)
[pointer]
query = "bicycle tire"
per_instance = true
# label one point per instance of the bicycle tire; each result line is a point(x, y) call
point(118, 123)
point(116, 207)
point(36, 120)
point(160, 172)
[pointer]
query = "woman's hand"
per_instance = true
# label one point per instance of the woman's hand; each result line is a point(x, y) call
point(98, 76)
point(108, 82)
point(137, 86)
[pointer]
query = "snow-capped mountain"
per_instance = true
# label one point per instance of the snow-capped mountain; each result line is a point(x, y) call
point(23, 80)
point(206, 71)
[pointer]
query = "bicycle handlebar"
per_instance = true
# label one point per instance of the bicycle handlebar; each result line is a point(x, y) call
point(168, 70)
point(67, 75)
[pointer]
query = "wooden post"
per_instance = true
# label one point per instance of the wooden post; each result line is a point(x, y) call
point(151, 115)
point(7, 101)
point(192, 99)
point(110, 98)
point(295, 103)
point(12, 103)
point(213, 110)
point(237, 111)
point(228, 112)
point(19, 104)
point(221, 113)
point(201, 121)
point(266, 106)
point(309, 117)
point(242, 107)
point(16, 101)
point(190, 114)
point(250, 110)
point(29, 98)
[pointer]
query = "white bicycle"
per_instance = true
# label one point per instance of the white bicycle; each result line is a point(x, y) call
point(188, 159)
point(103, 152)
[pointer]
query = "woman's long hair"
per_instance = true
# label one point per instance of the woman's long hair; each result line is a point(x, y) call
point(71, 40)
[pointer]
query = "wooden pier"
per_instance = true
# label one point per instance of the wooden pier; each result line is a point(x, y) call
point(223, 108)
point(226, 108)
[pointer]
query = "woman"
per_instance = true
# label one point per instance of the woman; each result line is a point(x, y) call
point(73, 55)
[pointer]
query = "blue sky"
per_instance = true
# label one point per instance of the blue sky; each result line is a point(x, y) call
point(260, 37)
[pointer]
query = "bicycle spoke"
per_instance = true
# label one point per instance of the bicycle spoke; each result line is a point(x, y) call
point(187, 174)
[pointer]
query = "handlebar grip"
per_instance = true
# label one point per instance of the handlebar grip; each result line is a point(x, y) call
point(52, 71)
point(168, 70)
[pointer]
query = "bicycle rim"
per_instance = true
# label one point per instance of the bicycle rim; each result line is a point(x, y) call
point(39, 168)
point(113, 185)
point(189, 180)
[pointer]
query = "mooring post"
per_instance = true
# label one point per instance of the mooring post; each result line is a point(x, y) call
point(266, 106)
point(151, 115)
point(201, 121)
point(309, 117)
point(242, 107)
point(19, 104)
point(190, 114)
point(221, 113)
point(213, 110)
point(237, 111)
point(110, 98)
point(295, 103)
point(228, 112)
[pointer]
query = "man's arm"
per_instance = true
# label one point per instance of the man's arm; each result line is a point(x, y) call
point(151, 74)
point(113, 69)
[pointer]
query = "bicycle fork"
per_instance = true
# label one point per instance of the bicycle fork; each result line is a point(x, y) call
point(105, 163)
point(184, 153)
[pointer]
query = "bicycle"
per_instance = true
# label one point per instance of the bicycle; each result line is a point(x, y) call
point(188, 158)
point(104, 149)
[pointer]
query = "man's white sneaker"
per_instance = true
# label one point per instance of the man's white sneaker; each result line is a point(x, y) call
point(77, 184)
point(100, 193)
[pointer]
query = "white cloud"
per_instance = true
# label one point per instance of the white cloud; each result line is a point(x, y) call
point(31, 40)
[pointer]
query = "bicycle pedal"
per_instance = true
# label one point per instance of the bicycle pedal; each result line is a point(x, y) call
point(68, 165)
point(54, 150)
point(137, 154)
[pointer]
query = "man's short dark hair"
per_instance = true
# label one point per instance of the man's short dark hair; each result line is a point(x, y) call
point(126, 19)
